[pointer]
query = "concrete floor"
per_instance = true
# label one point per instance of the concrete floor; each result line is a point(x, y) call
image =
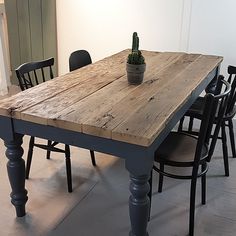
point(103, 211)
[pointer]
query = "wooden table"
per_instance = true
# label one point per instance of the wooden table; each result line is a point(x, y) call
point(95, 108)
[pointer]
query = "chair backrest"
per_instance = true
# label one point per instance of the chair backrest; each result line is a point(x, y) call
point(218, 112)
point(79, 59)
point(33, 73)
point(232, 98)
point(205, 126)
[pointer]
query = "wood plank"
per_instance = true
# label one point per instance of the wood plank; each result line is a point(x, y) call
point(73, 114)
point(105, 122)
point(48, 110)
point(95, 108)
point(104, 71)
point(146, 123)
point(67, 100)
point(89, 106)
point(97, 99)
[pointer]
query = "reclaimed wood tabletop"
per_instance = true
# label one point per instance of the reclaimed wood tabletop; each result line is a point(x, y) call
point(98, 100)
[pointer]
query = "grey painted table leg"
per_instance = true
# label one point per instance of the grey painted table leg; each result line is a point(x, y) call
point(139, 205)
point(16, 173)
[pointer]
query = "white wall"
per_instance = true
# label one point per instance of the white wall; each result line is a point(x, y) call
point(213, 29)
point(104, 27)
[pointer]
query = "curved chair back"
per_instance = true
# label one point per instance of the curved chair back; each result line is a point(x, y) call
point(219, 109)
point(79, 59)
point(231, 109)
point(33, 73)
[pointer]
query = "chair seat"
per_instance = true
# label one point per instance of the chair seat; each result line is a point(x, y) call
point(182, 151)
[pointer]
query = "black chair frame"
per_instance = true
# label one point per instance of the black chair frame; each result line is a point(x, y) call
point(201, 158)
point(27, 73)
point(30, 74)
point(195, 112)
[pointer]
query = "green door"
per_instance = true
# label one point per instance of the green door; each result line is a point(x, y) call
point(31, 31)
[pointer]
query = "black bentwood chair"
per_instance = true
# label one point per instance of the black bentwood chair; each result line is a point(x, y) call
point(181, 149)
point(195, 112)
point(30, 74)
point(79, 59)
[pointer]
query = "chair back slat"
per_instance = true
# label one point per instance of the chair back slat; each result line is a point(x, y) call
point(230, 78)
point(51, 72)
point(36, 77)
point(30, 69)
point(29, 80)
point(43, 76)
point(25, 81)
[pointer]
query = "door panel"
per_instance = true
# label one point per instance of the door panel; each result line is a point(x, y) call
point(32, 32)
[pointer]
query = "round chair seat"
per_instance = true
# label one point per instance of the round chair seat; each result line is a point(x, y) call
point(178, 149)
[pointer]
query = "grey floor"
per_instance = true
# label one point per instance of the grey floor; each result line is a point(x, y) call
point(105, 212)
point(104, 209)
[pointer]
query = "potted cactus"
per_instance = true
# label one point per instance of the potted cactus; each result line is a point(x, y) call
point(135, 65)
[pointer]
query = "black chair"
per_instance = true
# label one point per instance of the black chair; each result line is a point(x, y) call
point(196, 112)
point(30, 74)
point(79, 59)
point(181, 149)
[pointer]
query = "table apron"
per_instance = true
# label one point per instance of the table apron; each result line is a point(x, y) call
point(78, 139)
point(6, 132)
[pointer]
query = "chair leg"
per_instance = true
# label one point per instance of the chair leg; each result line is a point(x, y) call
point(190, 125)
point(48, 151)
point(224, 147)
point(203, 180)
point(192, 202)
point(232, 141)
point(29, 157)
point(68, 168)
point(180, 128)
point(160, 184)
point(150, 194)
point(93, 158)
point(213, 141)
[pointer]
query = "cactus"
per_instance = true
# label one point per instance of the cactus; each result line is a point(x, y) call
point(135, 57)
point(135, 43)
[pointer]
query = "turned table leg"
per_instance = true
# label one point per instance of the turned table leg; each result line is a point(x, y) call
point(139, 204)
point(16, 173)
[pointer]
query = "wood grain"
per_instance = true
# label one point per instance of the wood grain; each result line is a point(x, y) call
point(88, 75)
point(90, 106)
point(97, 99)
point(149, 120)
